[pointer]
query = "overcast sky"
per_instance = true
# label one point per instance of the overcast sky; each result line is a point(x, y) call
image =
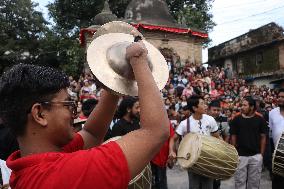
point(233, 18)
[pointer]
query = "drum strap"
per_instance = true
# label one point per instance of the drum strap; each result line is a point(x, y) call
point(188, 125)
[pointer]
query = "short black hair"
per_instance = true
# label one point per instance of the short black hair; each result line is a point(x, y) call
point(281, 90)
point(172, 107)
point(24, 85)
point(88, 106)
point(193, 101)
point(251, 101)
point(127, 102)
point(215, 103)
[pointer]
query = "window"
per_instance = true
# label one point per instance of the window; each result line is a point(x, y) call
point(258, 58)
point(240, 66)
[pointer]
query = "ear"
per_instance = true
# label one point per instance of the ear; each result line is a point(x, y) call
point(37, 112)
point(194, 108)
point(128, 110)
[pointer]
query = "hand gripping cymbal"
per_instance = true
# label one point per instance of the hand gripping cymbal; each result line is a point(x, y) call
point(106, 59)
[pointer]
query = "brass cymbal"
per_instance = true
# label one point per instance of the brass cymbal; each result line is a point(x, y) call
point(115, 27)
point(106, 59)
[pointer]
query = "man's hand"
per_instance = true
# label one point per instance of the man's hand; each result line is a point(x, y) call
point(136, 50)
point(172, 155)
point(171, 159)
point(5, 186)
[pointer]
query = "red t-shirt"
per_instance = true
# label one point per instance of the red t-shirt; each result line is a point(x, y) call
point(161, 157)
point(102, 167)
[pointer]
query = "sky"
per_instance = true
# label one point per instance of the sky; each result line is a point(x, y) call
point(233, 18)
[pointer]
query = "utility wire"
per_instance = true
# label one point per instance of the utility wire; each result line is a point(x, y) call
point(239, 5)
point(253, 15)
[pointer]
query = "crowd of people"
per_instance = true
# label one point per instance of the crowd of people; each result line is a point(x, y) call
point(223, 96)
point(212, 99)
point(211, 83)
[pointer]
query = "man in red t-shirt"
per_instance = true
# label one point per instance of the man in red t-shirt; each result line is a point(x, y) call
point(159, 164)
point(36, 106)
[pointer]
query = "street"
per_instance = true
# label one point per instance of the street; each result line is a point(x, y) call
point(177, 179)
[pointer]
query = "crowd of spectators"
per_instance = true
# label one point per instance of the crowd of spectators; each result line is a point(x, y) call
point(212, 83)
point(191, 79)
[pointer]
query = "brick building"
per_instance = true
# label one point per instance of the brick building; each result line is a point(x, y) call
point(257, 56)
point(152, 18)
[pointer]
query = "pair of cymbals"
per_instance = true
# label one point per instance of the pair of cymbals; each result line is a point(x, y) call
point(107, 61)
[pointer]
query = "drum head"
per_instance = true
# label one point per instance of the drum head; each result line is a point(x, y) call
point(189, 150)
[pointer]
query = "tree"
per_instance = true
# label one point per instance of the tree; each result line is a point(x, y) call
point(193, 13)
point(70, 16)
point(21, 30)
point(73, 15)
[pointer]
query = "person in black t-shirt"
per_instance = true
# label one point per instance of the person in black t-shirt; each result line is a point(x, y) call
point(248, 134)
point(128, 113)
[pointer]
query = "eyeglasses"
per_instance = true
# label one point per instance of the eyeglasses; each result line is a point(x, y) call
point(70, 104)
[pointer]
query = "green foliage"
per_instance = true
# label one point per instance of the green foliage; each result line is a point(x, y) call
point(118, 7)
point(26, 37)
point(73, 14)
point(21, 30)
point(193, 13)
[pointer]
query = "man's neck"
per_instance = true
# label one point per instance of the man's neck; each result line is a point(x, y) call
point(248, 115)
point(36, 141)
point(197, 116)
point(127, 118)
point(30, 147)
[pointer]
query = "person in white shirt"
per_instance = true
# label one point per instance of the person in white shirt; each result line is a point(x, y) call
point(5, 173)
point(276, 124)
point(200, 123)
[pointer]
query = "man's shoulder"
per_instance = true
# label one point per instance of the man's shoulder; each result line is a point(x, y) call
point(274, 111)
point(259, 115)
point(119, 123)
point(95, 160)
point(208, 117)
point(184, 122)
point(237, 116)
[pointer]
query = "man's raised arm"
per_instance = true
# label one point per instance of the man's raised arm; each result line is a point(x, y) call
point(141, 145)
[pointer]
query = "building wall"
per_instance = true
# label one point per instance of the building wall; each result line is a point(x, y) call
point(281, 55)
point(269, 63)
point(187, 47)
point(263, 35)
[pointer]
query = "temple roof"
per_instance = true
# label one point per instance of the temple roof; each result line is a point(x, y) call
point(151, 15)
point(152, 12)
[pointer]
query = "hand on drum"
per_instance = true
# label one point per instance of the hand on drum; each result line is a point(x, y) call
point(172, 159)
point(5, 186)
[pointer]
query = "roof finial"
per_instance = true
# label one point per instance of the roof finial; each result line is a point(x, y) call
point(106, 7)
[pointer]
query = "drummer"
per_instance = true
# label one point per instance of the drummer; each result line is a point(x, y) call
point(276, 124)
point(201, 123)
point(35, 104)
